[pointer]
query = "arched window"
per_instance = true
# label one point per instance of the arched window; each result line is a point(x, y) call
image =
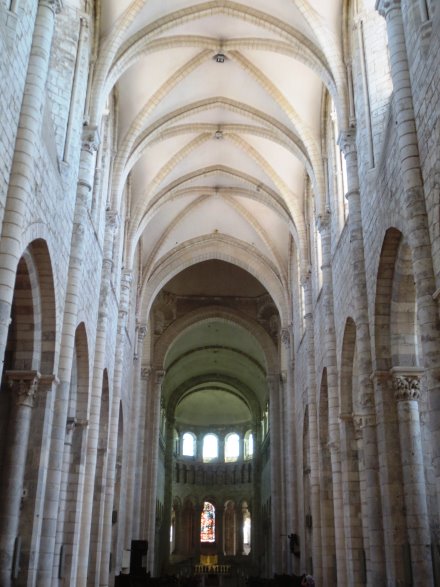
point(188, 444)
point(232, 447)
point(248, 445)
point(207, 523)
point(210, 448)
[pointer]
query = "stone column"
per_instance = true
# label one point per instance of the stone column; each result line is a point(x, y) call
point(23, 163)
point(406, 385)
point(313, 437)
point(95, 401)
point(90, 141)
point(416, 219)
point(374, 540)
point(151, 478)
point(23, 385)
point(142, 393)
point(64, 499)
point(131, 455)
point(275, 427)
point(324, 226)
point(290, 441)
point(391, 481)
point(124, 302)
point(144, 453)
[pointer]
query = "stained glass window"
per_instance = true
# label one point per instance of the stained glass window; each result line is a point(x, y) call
point(207, 523)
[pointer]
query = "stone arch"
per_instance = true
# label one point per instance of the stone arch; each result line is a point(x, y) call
point(384, 288)
point(191, 319)
point(391, 298)
point(32, 333)
point(224, 249)
point(68, 521)
point(396, 331)
point(29, 364)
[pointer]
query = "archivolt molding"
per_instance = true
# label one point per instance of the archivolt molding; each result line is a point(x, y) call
point(221, 247)
point(182, 325)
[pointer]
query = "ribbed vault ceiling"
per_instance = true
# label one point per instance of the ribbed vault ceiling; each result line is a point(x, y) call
point(220, 151)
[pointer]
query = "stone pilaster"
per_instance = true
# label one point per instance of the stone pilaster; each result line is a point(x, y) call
point(85, 555)
point(407, 390)
point(90, 141)
point(289, 441)
point(153, 461)
point(144, 453)
point(141, 334)
point(132, 455)
point(275, 430)
point(124, 299)
point(390, 473)
point(315, 486)
point(23, 386)
point(324, 227)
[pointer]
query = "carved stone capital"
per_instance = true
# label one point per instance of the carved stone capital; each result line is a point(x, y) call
point(334, 446)
point(406, 387)
point(367, 400)
point(384, 7)
point(70, 425)
point(361, 421)
point(55, 5)
point(406, 382)
point(145, 373)
point(90, 139)
point(24, 386)
point(285, 337)
point(142, 333)
point(112, 219)
point(347, 141)
point(323, 221)
point(160, 374)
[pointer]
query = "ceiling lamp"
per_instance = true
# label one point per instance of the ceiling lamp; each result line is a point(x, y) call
point(218, 135)
point(220, 57)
